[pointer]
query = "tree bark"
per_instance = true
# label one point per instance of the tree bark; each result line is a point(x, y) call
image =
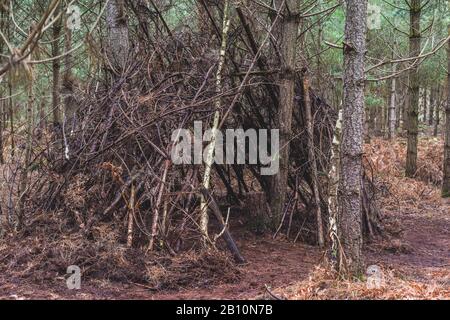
point(118, 38)
point(204, 218)
point(425, 98)
point(433, 100)
point(446, 183)
point(437, 121)
point(289, 26)
point(414, 88)
point(313, 163)
point(350, 188)
point(56, 70)
point(23, 184)
point(68, 84)
point(392, 112)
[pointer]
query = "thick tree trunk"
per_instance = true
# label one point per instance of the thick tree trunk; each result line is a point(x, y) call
point(414, 85)
point(350, 188)
point(118, 41)
point(288, 49)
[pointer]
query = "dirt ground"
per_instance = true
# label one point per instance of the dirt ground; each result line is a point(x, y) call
point(415, 259)
point(422, 255)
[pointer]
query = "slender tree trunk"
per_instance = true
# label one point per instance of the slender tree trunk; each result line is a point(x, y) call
point(392, 113)
point(350, 188)
point(405, 113)
point(11, 119)
point(313, 163)
point(42, 116)
point(204, 218)
point(433, 100)
point(414, 84)
point(437, 121)
point(425, 104)
point(68, 80)
point(56, 69)
point(288, 49)
point(333, 202)
point(23, 184)
point(446, 184)
point(400, 102)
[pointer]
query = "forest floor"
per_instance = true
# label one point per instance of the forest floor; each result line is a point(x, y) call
point(414, 258)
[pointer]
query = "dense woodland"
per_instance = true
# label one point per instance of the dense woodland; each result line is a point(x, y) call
point(91, 93)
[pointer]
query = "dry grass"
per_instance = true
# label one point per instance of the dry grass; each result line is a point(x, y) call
point(323, 285)
point(402, 198)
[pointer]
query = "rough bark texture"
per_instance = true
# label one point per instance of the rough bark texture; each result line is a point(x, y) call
point(288, 49)
point(414, 88)
point(118, 41)
point(56, 69)
point(433, 99)
point(70, 104)
point(392, 112)
point(204, 218)
point(350, 188)
point(312, 157)
point(446, 184)
point(333, 203)
point(437, 121)
point(23, 183)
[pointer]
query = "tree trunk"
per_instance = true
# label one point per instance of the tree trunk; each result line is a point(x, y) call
point(392, 105)
point(437, 121)
point(11, 119)
point(414, 84)
point(425, 104)
point(350, 188)
point(313, 163)
point(56, 68)
point(433, 100)
point(204, 218)
point(68, 80)
point(118, 41)
point(446, 184)
point(23, 184)
point(288, 49)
